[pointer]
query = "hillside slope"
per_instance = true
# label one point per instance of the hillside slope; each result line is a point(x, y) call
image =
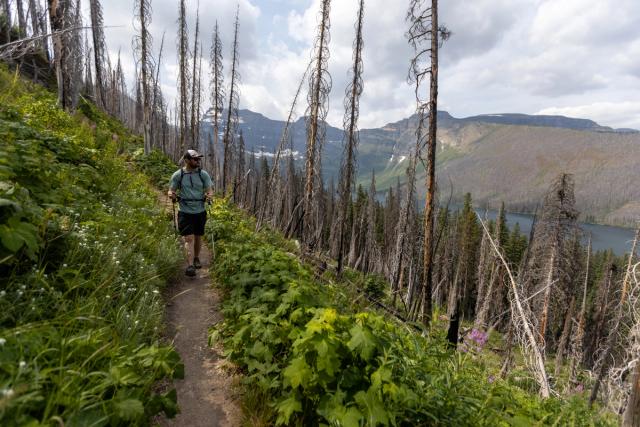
point(500, 157)
point(84, 252)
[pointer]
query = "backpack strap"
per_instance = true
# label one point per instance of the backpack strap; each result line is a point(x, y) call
point(179, 186)
point(201, 178)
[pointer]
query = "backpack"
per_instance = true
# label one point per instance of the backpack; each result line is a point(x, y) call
point(179, 187)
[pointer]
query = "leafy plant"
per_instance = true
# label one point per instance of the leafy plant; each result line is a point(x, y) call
point(84, 254)
point(319, 363)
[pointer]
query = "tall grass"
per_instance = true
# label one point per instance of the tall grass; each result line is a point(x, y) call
point(84, 255)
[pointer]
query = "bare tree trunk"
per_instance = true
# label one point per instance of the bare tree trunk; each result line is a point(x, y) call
point(613, 332)
point(564, 338)
point(631, 417)
point(22, 21)
point(577, 339)
point(7, 12)
point(317, 113)
point(217, 98)
point(274, 175)
point(424, 28)
point(531, 345)
point(99, 49)
point(547, 297)
point(195, 87)
point(57, 11)
point(144, 47)
point(232, 111)
point(183, 52)
point(352, 104)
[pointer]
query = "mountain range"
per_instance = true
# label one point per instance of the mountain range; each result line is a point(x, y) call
point(496, 157)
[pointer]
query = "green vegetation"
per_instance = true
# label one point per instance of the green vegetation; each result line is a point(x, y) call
point(312, 360)
point(84, 254)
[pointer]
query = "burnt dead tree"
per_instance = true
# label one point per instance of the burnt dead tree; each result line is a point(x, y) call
point(194, 129)
point(273, 203)
point(183, 79)
point(319, 88)
point(424, 35)
point(99, 49)
point(142, 44)
point(217, 99)
point(612, 339)
point(232, 111)
point(522, 322)
point(350, 126)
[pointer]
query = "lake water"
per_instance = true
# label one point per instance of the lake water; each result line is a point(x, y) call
point(603, 237)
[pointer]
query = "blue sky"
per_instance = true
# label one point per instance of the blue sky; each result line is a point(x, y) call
point(573, 57)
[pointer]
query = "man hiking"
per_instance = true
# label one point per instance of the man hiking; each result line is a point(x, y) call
point(191, 187)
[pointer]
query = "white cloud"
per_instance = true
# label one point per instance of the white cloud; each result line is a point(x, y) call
point(505, 55)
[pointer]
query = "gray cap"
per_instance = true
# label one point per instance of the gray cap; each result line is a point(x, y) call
point(192, 154)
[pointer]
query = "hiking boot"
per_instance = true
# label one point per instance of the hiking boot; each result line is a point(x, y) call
point(196, 262)
point(190, 271)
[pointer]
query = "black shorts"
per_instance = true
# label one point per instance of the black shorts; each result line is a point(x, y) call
point(189, 224)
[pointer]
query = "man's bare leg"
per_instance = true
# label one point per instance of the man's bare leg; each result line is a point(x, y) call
point(189, 247)
point(197, 244)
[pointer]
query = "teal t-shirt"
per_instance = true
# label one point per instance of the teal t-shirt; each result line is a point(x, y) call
point(192, 188)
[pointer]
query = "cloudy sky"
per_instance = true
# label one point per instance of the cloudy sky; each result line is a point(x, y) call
point(579, 58)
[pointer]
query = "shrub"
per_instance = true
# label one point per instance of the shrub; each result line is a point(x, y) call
point(319, 363)
point(84, 255)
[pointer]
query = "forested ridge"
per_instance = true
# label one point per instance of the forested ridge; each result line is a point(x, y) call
point(339, 307)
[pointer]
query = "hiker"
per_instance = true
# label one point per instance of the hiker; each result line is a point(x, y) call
point(192, 188)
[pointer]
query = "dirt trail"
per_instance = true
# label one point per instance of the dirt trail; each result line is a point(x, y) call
point(206, 394)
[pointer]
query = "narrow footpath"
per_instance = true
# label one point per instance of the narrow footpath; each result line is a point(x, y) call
point(206, 394)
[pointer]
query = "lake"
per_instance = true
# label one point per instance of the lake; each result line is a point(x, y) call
point(603, 237)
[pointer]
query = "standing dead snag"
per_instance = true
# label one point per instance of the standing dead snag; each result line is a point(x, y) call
point(319, 87)
point(577, 338)
point(143, 49)
point(521, 319)
point(195, 87)
point(59, 12)
point(632, 411)
point(557, 222)
point(232, 110)
point(350, 124)
point(217, 98)
point(424, 29)
point(612, 338)
point(631, 417)
point(99, 48)
point(274, 175)
point(183, 77)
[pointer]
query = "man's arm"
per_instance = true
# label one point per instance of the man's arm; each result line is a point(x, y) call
point(208, 184)
point(172, 189)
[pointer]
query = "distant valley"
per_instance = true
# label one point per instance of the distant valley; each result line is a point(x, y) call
point(498, 157)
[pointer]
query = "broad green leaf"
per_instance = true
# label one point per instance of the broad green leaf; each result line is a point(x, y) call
point(129, 409)
point(349, 417)
point(374, 410)
point(381, 375)
point(286, 408)
point(298, 372)
point(10, 239)
point(362, 341)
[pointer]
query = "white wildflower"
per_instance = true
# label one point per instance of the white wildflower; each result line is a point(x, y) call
point(2, 341)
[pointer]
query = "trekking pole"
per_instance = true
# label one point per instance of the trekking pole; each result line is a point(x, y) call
point(213, 244)
point(175, 223)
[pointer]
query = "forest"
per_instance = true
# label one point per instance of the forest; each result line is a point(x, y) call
point(341, 305)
